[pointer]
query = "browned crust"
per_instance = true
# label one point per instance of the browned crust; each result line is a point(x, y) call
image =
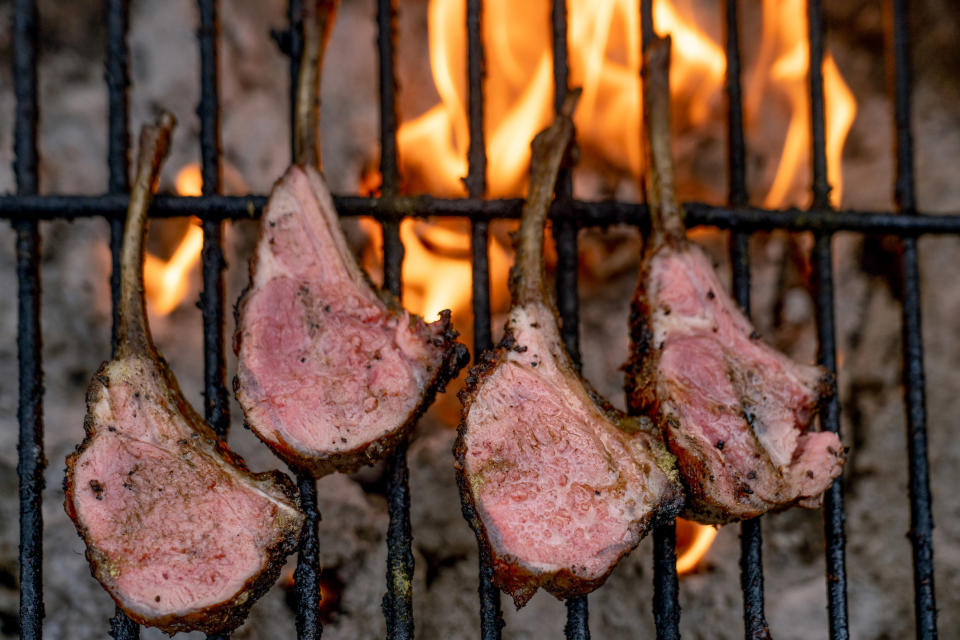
point(641, 367)
point(509, 574)
point(640, 385)
point(219, 618)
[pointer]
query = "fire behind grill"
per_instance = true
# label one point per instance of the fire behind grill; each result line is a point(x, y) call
point(26, 208)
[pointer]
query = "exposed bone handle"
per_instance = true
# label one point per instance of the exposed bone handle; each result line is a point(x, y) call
point(134, 334)
point(317, 24)
point(548, 151)
point(665, 213)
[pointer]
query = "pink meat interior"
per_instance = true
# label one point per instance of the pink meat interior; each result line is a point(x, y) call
point(325, 366)
point(733, 397)
point(556, 484)
point(177, 531)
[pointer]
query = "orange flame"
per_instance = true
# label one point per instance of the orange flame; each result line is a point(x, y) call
point(693, 541)
point(785, 25)
point(436, 267)
point(604, 46)
point(165, 281)
point(604, 43)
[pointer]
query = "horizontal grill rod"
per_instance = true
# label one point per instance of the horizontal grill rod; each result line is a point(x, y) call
point(587, 213)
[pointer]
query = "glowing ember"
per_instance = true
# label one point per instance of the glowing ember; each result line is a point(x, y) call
point(166, 281)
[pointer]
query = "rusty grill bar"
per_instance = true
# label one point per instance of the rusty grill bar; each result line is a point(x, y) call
point(26, 209)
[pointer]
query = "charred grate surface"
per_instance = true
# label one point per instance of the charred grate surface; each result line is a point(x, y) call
point(26, 209)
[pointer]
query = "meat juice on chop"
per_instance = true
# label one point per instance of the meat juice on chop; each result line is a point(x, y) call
point(331, 374)
point(177, 530)
point(556, 483)
point(733, 410)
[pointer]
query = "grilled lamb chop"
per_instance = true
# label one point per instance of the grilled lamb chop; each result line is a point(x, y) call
point(732, 410)
point(556, 483)
point(177, 530)
point(331, 375)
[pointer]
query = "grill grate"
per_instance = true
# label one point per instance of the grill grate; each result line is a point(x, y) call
point(27, 208)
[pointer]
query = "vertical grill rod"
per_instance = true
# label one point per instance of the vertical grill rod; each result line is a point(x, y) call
point(666, 599)
point(118, 150)
point(565, 237)
point(921, 516)
point(491, 617)
point(565, 232)
point(118, 134)
point(216, 408)
point(755, 625)
point(216, 403)
point(306, 578)
point(398, 601)
point(31, 463)
point(827, 351)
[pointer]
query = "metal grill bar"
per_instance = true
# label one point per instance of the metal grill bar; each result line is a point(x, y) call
point(833, 512)
point(122, 627)
point(118, 150)
point(31, 462)
point(118, 134)
point(666, 596)
point(305, 577)
point(216, 407)
point(921, 515)
point(588, 213)
point(666, 604)
point(216, 403)
point(491, 617)
point(755, 625)
point(398, 601)
point(565, 238)
point(565, 230)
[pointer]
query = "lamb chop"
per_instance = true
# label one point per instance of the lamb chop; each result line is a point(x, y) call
point(556, 483)
point(177, 530)
point(733, 411)
point(331, 374)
